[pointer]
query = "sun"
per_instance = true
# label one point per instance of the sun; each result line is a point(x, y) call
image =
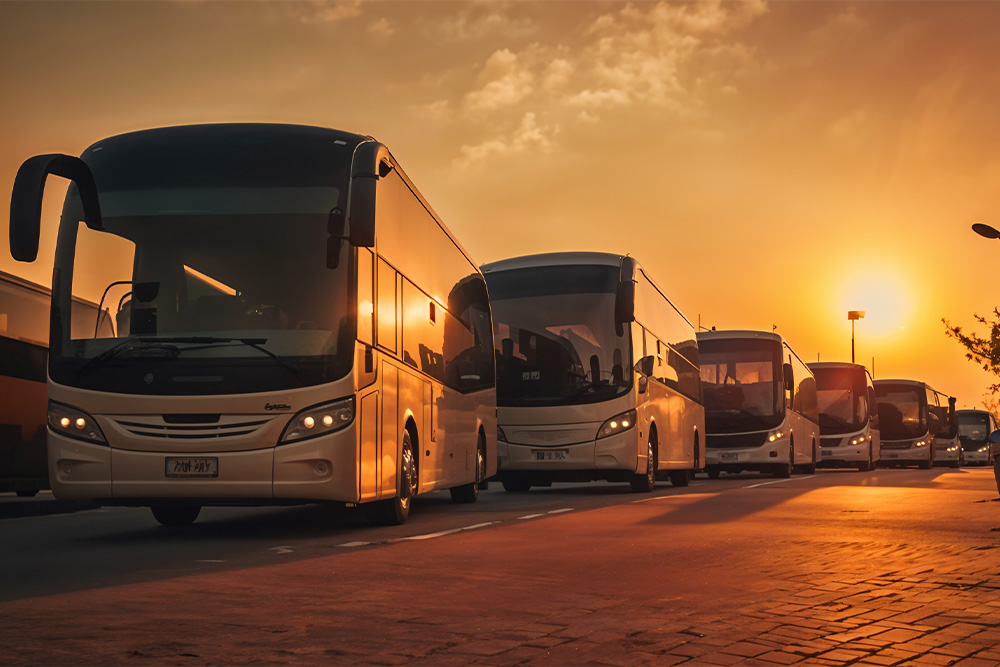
point(885, 299)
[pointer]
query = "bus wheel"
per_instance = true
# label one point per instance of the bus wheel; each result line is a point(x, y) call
point(394, 511)
point(713, 473)
point(176, 515)
point(866, 465)
point(784, 470)
point(644, 483)
point(514, 483)
point(469, 493)
point(680, 477)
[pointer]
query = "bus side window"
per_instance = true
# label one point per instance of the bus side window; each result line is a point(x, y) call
point(386, 310)
point(366, 298)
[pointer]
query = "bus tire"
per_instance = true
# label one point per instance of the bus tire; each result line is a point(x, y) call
point(394, 511)
point(469, 493)
point(680, 477)
point(513, 483)
point(865, 466)
point(645, 482)
point(784, 470)
point(175, 515)
point(713, 473)
point(810, 468)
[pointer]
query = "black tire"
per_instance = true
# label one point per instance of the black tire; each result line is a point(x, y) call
point(680, 477)
point(713, 473)
point(27, 493)
point(646, 482)
point(176, 515)
point(394, 511)
point(784, 470)
point(866, 466)
point(469, 493)
point(514, 483)
point(809, 468)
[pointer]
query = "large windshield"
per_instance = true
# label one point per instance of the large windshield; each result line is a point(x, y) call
point(743, 386)
point(973, 429)
point(213, 263)
point(842, 395)
point(554, 329)
point(902, 411)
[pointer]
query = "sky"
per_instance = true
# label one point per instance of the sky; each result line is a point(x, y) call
point(771, 164)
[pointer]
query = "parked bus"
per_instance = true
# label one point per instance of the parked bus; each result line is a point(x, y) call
point(293, 324)
point(24, 333)
point(760, 404)
point(597, 374)
point(910, 415)
point(974, 428)
point(848, 416)
point(947, 445)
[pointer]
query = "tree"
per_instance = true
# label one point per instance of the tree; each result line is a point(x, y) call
point(983, 351)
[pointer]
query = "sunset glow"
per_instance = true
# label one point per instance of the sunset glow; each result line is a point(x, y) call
point(773, 165)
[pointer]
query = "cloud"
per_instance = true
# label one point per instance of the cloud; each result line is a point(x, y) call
point(480, 21)
point(505, 83)
point(329, 11)
point(381, 28)
point(528, 136)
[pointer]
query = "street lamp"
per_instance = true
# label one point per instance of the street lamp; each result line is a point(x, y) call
point(854, 315)
point(985, 231)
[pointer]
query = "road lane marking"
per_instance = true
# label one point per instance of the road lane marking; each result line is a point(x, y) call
point(281, 550)
point(354, 544)
point(430, 536)
point(560, 511)
point(529, 516)
point(776, 481)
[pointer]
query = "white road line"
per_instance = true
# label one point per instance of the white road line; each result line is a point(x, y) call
point(477, 525)
point(649, 500)
point(560, 511)
point(354, 544)
point(529, 516)
point(281, 550)
point(776, 481)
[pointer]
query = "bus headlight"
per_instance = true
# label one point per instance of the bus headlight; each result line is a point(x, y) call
point(858, 440)
point(319, 420)
point(74, 423)
point(775, 435)
point(983, 450)
point(617, 424)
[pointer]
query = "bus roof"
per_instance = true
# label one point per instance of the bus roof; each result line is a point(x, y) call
point(555, 259)
point(740, 333)
point(815, 365)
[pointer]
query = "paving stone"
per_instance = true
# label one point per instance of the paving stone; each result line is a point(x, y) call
point(746, 649)
point(779, 658)
point(841, 655)
point(897, 635)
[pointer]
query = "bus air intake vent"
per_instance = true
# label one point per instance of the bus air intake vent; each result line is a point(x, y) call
point(735, 441)
point(171, 428)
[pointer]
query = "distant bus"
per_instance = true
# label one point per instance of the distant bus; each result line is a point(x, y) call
point(294, 324)
point(974, 428)
point(848, 416)
point(761, 408)
point(947, 445)
point(24, 334)
point(910, 416)
point(597, 374)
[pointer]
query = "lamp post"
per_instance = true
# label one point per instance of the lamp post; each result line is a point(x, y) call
point(854, 315)
point(985, 231)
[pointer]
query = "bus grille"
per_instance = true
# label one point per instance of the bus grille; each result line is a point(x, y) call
point(899, 444)
point(735, 441)
point(830, 442)
point(224, 427)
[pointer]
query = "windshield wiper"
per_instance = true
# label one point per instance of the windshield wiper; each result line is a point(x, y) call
point(127, 345)
point(201, 341)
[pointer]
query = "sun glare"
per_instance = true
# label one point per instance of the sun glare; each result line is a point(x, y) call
point(885, 299)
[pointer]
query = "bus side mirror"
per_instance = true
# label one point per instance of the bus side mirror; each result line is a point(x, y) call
point(789, 377)
point(371, 162)
point(624, 305)
point(645, 366)
point(995, 438)
point(933, 423)
point(26, 199)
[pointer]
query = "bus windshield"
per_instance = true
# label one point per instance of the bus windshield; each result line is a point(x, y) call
point(743, 385)
point(843, 399)
point(973, 429)
point(213, 263)
point(902, 411)
point(554, 329)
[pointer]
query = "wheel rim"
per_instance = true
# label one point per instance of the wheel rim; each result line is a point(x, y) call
point(650, 463)
point(480, 465)
point(409, 477)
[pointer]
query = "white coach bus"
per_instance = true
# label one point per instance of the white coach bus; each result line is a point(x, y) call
point(848, 416)
point(760, 404)
point(293, 324)
point(910, 417)
point(597, 374)
point(974, 428)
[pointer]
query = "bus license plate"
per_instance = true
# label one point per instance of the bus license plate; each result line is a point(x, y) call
point(730, 457)
point(552, 455)
point(192, 467)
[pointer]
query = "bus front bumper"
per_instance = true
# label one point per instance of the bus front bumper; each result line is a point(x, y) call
point(316, 470)
point(613, 453)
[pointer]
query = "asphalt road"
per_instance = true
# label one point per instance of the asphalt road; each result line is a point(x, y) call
point(888, 567)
